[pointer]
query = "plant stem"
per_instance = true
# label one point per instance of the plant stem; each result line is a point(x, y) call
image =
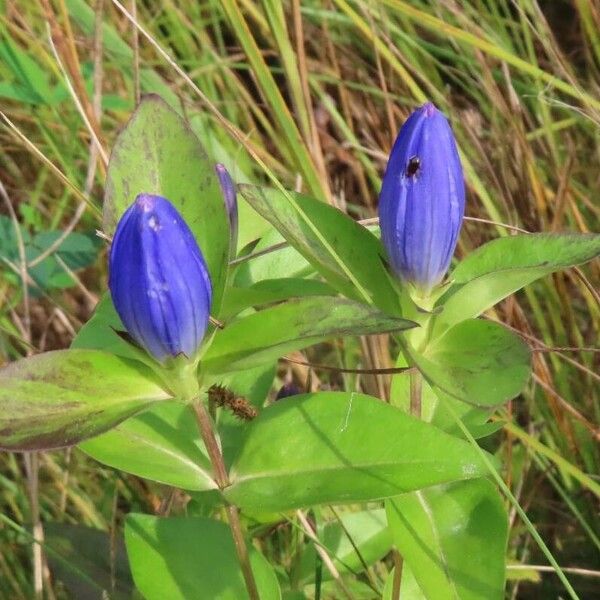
point(397, 575)
point(415, 393)
point(322, 552)
point(216, 458)
point(212, 446)
point(416, 386)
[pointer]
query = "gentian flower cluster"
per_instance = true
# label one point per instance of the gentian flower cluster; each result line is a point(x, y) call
point(422, 200)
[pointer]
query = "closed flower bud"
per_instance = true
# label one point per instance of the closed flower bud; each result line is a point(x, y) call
point(422, 200)
point(158, 279)
point(229, 196)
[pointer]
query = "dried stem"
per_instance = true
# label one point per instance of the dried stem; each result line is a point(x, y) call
point(308, 529)
point(31, 467)
point(216, 458)
point(415, 393)
point(135, 42)
point(397, 575)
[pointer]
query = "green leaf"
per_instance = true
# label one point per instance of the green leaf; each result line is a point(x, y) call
point(181, 558)
point(100, 333)
point(269, 291)
point(454, 538)
point(354, 245)
point(77, 250)
point(477, 361)
point(162, 444)
point(284, 261)
point(365, 530)
point(157, 153)
point(337, 447)
point(31, 78)
point(503, 266)
point(270, 333)
point(60, 398)
point(89, 561)
point(434, 407)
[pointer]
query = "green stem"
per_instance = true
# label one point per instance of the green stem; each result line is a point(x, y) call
point(416, 387)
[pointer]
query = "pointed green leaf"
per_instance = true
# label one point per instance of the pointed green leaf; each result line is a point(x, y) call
point(477, 361)
point(162, 444)
point(181, 559)
point(336, 447)
point(270, 333)
point(453, 537)
point(60, 398)
point(503, 266)
point(157, 153)
point(269, 291)
point(358, 249)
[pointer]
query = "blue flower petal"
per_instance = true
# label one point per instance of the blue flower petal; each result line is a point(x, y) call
point(158, 279)
point(422, 199)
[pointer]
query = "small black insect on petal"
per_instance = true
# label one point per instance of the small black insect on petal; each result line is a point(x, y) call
point(413, 166)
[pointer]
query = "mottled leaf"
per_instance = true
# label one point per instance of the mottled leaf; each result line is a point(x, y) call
point(270, 333)
point(60, 398)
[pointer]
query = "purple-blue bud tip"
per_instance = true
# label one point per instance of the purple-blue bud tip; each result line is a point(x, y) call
point(159, 282)
point(229, 197)
point(422, 199)
point(287, 390)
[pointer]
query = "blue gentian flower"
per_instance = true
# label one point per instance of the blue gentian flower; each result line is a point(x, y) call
point(422, 199)
point(229, 196)
point(158, 279)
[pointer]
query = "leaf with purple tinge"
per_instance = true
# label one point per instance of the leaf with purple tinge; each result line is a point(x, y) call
point(267, 335)
point(60, 398)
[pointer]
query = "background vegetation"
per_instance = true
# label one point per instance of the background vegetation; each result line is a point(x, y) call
point(318, 89)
